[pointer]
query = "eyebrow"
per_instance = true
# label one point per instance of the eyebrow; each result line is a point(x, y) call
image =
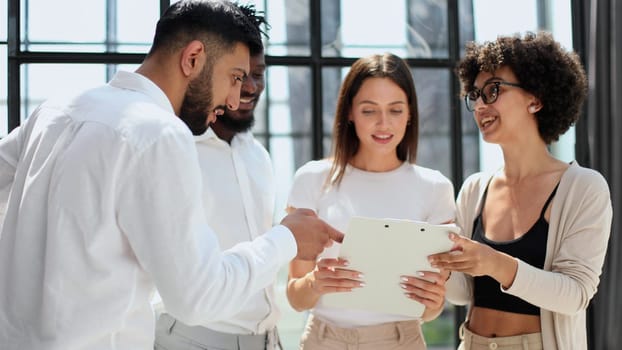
point(375, 103)
point(241, 70)
point(493, 78)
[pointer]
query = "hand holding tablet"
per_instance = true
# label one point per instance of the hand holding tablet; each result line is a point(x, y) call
point(383, 250)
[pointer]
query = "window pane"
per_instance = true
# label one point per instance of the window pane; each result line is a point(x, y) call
point(289, 32)
point(470, 151)
point(288, 90)
point(355, 29)
point(136, 22)
point(288, 154)
point(332, 77)
point(50, 26)
point(4, 112)
point(470, 134)
point(489, 25)
point(43, 81)
point(427, 30)
point(433, 100)
point(3, 14)
point(327, 144)
point(465, 24)
point(50, 21)
point(259, 128)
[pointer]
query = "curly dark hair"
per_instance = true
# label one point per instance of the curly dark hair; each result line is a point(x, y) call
point(543, 68)
point(258, 19)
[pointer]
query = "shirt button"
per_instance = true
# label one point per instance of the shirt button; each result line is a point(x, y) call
point(493, 346)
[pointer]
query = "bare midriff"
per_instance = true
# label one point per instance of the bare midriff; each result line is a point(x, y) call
point(494, 323)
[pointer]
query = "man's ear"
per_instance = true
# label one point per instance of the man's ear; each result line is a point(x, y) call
point(192, 58)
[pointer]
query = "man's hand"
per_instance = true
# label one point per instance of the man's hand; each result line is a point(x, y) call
point(311, 233)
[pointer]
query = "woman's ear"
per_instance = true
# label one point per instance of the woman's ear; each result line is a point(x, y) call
point(534, 106)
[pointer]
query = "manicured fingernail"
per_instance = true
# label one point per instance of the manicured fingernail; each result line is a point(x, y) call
point(403, 286)
point(420, 274)
point(403, 279)
point(362, 284)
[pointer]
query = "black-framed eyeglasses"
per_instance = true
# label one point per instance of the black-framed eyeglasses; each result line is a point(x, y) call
point(489, 93)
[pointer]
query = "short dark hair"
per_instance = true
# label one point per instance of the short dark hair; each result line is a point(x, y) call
point(345, 140)
point(543, 68)
point(218, 24)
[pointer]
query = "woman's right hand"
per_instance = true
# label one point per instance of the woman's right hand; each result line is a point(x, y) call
point(332, 276)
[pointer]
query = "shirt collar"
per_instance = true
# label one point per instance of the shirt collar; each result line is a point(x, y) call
point(210, 136)
point(140, 83)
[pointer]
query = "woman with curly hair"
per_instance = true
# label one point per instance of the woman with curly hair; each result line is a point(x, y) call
point(536, 230)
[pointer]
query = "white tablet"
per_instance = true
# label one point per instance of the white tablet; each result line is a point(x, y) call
point(383, 250)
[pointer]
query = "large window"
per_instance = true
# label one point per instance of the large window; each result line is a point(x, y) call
point(311, 46)
point(49, 51)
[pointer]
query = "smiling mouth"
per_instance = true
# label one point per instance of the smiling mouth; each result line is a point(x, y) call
point(247, 100)
point(382, 138)
point(486, 121)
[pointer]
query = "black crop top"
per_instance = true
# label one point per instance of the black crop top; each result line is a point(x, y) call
point(530, 248)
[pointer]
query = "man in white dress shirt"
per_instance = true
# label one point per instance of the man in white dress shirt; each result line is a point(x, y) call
point(239, 199)
point(104, 199)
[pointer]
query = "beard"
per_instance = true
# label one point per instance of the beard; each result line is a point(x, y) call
point(233, 121)
point(197, 102)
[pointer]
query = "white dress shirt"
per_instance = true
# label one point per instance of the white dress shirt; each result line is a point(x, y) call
point(239, 199)
point(104, 204)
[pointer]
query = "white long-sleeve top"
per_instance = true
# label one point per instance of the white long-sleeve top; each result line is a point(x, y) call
point(104, 204)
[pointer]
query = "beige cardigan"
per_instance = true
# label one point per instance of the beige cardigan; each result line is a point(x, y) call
point(579, 229)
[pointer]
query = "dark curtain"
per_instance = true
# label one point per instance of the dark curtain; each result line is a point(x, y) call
point(598, 39)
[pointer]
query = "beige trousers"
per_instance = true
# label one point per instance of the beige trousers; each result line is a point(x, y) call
point(472, 341)
point(387, 336)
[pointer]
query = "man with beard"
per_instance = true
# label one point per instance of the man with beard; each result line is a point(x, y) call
point(238, 194)
point(105, 200)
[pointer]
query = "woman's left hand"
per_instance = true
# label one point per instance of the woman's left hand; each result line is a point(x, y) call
point(428, 288)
